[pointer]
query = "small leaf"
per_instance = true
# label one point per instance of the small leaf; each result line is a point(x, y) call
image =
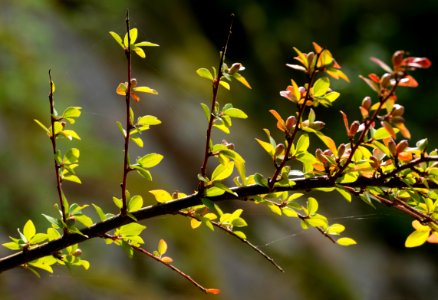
point(135, 203)
point(213, 291)
point(312, 206)
point(29, 229)
point(117, 38)
point(161, 196)
point(204, 73)
point(235, 113)
point(223, 171)
point(345, 241)
point(43, 126)
point(132, 229)
point(162, 247)
point(150, 160)
point(321, 86)
point(145, 89)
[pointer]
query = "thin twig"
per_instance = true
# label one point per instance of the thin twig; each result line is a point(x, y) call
point(172, 267)
point(243, 240)
point(129, 125)
point(53, 120)
point(215, 89)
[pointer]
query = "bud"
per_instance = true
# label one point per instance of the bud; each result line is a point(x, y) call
point(392, 147)
point(374, 163)
point(133, 82)
point(397, 58)
point(398, 110)
point(385, 80)
point(341, 150)
point(234, 68)
point(401, 146)
point(366, 102)
point(290, 122)
point(320, 156)
point(354, 127)
point(279, 150)
point(77, 252)
point(317, 125)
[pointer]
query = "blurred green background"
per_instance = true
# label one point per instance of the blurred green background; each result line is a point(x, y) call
point(71, 38)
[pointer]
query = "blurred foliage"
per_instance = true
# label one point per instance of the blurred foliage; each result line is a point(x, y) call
point(70, 38)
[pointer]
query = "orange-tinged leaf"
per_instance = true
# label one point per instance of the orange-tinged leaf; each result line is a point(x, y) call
point(280, 122)
point(389, 128)
point(166, 259)
point(213, 291)
point(433, 238)
point(408, 81)
point(317, 47)
point(403, 130)
point(135, 97)
point(328, 142)
point(121, 89)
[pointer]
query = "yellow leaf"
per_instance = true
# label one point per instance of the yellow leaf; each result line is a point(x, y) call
point(345, 241)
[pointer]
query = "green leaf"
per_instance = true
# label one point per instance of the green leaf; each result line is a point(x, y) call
point(56, 222)
point(72, 178)
point(130, 230)
point(303, 143)
point(117, 38)
point(206, 111)
point(43, 126)
point(148, 120)
point(223, 171)
point(70, 134)
point(321, 86)
point(135, 203)
point(268, 147)
point(72, 155)
point(204, 73)
point(53, 234)
point(235, 113)
point(12, 246)
point(335, 229)
point(289, 212)
point(150, 160)
point(143, 172)
point(382, 133)
point(312, 206)
point(344, 194)
point(146, 44)
point(139, 51)
point(99, 212)
point(345, 241)
point(29, 230)
point(274, 208)
point(145, 89)
point(118, 202)
point(137, 140)
point(416, 238)
point(84, 219)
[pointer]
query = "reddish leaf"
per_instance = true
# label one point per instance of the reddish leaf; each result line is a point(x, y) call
point(416, 62)
point(213, 291)
point(374, 77)
point(408, 81)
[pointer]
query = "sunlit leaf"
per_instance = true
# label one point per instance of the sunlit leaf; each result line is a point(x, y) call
point(345, 241)
point(321, 86)
point(29, 229)
point(145, 89)
point(117, 38)
point(161, 196)
point(162, 247)
point(150, 160)
point(204, 73)
point(416, 238)
point(222, 171)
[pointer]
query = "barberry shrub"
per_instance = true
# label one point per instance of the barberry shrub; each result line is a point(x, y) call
point(376, 163)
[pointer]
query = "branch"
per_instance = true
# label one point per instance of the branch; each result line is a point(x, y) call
point(174, 206)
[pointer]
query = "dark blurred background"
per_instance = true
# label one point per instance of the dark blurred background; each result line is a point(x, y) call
point(71, 38)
